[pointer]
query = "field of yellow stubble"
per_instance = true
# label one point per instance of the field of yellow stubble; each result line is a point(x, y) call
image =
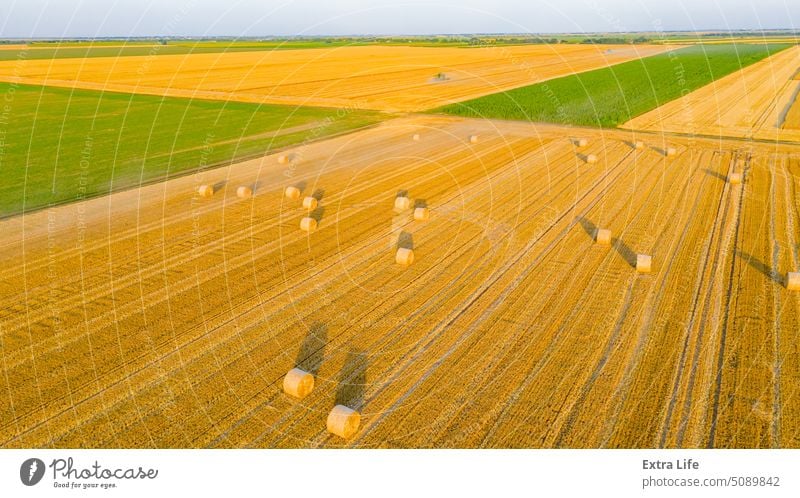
point(154, 318)
point(383, 78)
point(759, 101)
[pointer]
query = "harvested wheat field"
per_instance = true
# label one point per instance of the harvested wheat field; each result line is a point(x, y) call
point(368, 77)
point(756, 102)
point(159, 318)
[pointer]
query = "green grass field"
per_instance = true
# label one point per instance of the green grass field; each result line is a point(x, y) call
point(59, 145)
point(611, 96)
point(126, 49)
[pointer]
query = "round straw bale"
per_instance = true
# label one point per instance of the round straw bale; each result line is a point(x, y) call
point(581, 142)
point(603, 236)
point(644, 263)
point(298, 383)
point(205, 191)
point(310, 203)
point(404, 256)
point(308, 224)
point(416, 137)
point(283, 159)
point(421, 213)
point(735, 178)
point(671, 151)
point(591, 159)
point(244, 192)
point(343, 421)
point(292, 193)
point(793, 280)
point(473, 139)
point(402, 203)
point(638, 145)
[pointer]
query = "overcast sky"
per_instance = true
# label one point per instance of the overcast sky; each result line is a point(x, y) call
point(96, 18)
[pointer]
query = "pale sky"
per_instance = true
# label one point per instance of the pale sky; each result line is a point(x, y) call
point(98, 18)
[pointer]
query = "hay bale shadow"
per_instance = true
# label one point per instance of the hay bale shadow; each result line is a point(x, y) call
point(318, 194)
point(405, 240)
point(762, 267)
point(630, 143)
point(352, 380)
point(402, 193)
point(583, 157)
point(660, 150)
point(623, 250)
point(219, 185)
point(420, 203)
point(715, 174)
point(312, 350)
point(588, 227)
point(301, 186)
point(317, 214)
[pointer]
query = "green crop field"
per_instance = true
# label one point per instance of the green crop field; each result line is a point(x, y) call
point(75, 51)
point(59, 145)
point(124, 49)
point(611, 96)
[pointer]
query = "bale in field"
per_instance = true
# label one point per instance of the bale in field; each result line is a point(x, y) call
point(415, 137)
point(671, 151)
point(473, 139)
point(205, 191)
point(310, 203)
point(244, 192)
point(421, 213)
point(404, 256)
point(343, 421)
point(603, 236)
point(644, 263)
point(308, 224)
point(735, 178)
point(793, 280)
point(401, 203)
point(591, 159)
point(298, 383)
point(638, 145)
point(292, 193)
point(283, 159)
point(581, 142)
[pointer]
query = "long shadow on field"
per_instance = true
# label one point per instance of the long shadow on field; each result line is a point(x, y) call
point(420, 203)
point(662, 151)
point(219, 185)
point(312, 351)
point(588, 227)
point(301, 186)
point(402, 193)
point(405, 241)
point(318, 194)
point(626, 252)
point(317, 214)
point(759, 265)
point(630, 143)
point(713, 173)
point(353, 380)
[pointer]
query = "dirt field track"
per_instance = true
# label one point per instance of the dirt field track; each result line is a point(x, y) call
point(156, 318)
point(758, 102)
point(383, 78)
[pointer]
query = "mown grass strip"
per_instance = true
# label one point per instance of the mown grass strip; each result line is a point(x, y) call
point(614, 95)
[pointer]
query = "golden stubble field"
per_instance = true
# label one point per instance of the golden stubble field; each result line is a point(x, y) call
point(369, 77)
point(758, 102)
point(157, 318)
